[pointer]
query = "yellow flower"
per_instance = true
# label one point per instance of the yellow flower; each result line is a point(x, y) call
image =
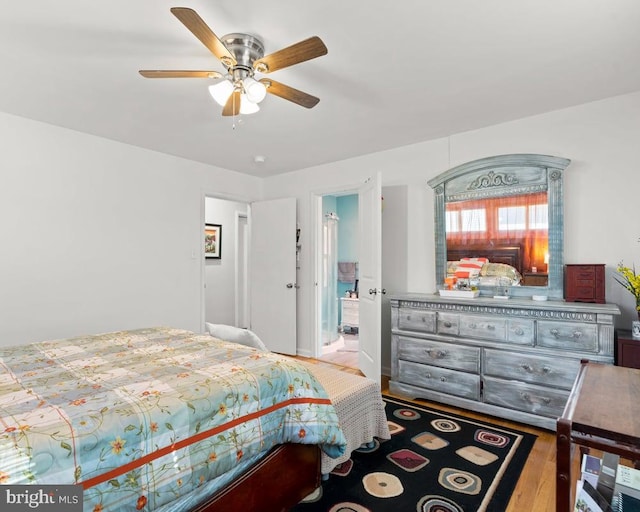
point(630, 280)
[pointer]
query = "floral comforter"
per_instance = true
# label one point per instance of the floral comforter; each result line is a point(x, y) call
point(140, 418)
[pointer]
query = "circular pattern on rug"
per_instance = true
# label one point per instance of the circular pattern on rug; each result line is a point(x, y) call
point(446, 425)
point(348, 507)
point(433, 503)
point(459, 481)
point(491, 438)
point(407, 414)
point(382, 485)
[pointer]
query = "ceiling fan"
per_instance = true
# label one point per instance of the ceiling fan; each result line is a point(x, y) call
point(243, 55)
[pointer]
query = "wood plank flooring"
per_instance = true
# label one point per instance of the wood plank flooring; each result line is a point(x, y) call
point(536, 487)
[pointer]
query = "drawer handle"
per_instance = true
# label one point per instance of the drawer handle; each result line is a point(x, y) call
point(576, 335)
point(546, 369)
point(491, 327)
point(526, 367)
point(473, 326)
point(519, 331)
point(527, 398)
point(443, 379)
point(436, 354)
point(428, 375)
point(447, 324)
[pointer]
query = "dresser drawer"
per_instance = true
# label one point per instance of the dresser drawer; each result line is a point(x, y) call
point(548, 371)
point(529, 398)
point(439, 354)
point(484, 327)
point(452, 382)
point(568, 335)
point(448, 323)
point(521, 331)
point(416, 320)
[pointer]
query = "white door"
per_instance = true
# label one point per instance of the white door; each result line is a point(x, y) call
point(272, 272)
point(370, 274)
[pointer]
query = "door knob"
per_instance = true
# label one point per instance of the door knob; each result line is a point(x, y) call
point(292, 285)
point(374, 291)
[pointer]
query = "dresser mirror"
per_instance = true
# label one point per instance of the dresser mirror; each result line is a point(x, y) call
point(505, 213)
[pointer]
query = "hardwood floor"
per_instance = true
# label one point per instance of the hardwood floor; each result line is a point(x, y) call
point(535, 491)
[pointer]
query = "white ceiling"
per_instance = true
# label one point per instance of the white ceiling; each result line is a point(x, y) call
point(396, 73)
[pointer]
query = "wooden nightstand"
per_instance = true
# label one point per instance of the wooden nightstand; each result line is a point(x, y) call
point(627, 350)
point(535, 278)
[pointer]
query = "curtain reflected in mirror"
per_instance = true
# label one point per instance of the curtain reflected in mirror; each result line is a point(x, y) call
point(473, 227)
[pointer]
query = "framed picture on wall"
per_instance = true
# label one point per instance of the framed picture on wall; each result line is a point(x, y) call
point(213, 241)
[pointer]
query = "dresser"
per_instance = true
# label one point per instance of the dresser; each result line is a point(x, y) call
point(515, 358)
point(349, 314)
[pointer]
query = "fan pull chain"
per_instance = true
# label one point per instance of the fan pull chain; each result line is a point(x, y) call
point(233, 115)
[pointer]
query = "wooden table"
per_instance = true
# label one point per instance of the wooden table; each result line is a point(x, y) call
point(602, 412)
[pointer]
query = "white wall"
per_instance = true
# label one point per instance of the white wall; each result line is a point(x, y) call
point(98, 236)
point(220, 274)
point(601, 198)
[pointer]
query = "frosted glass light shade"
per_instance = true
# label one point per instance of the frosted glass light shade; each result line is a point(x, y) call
point(246, 106)
point(255, 91)
point(221, 92)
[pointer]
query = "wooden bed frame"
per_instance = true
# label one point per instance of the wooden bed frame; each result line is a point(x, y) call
point(509, 254)
point(276, 483)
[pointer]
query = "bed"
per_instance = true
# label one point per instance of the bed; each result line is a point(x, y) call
point(492, 264)
point(505, 254)
point(165, 419)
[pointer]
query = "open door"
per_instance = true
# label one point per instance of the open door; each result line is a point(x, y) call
point(272, 273)
point(370, 273)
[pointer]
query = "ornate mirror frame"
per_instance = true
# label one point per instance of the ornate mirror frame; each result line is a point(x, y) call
point(502, 176)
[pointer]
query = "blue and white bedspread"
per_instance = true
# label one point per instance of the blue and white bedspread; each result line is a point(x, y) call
point(141, 418)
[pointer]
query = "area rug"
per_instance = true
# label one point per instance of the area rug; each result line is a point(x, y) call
point(434, 462)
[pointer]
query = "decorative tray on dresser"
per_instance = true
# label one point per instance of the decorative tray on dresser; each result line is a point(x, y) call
point(515, 359)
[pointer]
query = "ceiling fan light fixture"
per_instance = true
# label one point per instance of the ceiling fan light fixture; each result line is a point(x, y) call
point(254, 90)
point(221, 91)
point(247, 107)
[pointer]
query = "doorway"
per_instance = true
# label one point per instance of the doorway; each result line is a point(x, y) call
point(338, 307)
point(226, 276)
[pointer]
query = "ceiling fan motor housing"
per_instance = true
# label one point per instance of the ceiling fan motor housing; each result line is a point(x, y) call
point(246, 49)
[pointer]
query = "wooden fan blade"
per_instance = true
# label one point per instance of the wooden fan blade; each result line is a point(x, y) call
point(294, 54)
point(289, 93)
point(199, 28)
point(232, 108)
point(157, 73)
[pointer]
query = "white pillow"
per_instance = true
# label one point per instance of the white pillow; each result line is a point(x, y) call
point(236, 335)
